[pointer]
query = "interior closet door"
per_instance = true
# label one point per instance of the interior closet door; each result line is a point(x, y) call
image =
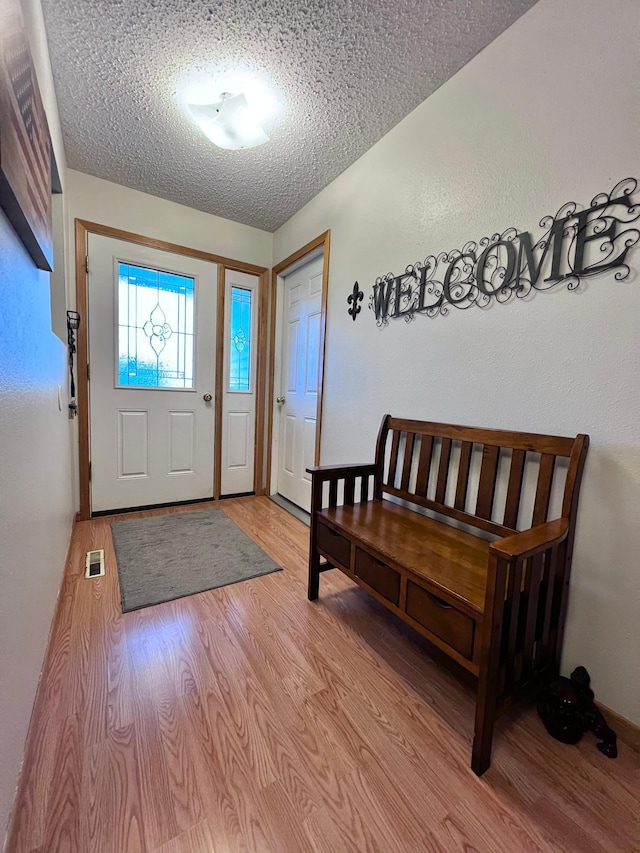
point(299, 380)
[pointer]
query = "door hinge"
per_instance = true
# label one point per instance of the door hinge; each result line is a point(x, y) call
point(86, 263)
point(88, 373)
point(89, 471)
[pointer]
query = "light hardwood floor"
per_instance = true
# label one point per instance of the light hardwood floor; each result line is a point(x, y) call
point(249, 719)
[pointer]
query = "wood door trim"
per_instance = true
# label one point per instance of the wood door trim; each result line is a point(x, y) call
point(219, 395)
point(321, 241)
point(323, 328)
point(83, 228)
point(166, 246)
point(260, 487)
point(82, 368)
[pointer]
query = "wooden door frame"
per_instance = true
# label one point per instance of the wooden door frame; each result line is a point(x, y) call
point(83, 228)
point(322, 241)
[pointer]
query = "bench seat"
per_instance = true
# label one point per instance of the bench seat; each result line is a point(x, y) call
point(450, 561)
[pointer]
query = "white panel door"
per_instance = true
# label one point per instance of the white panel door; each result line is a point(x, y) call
point(152, 320)
point(302, 305)
point(239, 383)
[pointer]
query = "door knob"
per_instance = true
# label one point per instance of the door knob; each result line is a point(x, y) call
point(207, 398)
point(280, 400)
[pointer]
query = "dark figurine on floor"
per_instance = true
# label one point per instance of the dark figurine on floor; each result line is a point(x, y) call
point(567, 710)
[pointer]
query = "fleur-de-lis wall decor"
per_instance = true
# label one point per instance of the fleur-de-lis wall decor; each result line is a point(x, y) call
point(353, 299)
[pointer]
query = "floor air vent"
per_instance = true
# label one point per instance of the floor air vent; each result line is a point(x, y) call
point(94, 564)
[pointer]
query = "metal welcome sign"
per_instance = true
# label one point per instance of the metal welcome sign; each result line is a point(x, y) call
point(575, 244)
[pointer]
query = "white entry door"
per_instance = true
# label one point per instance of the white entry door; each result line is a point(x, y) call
point(239, 383)
point(152, 321)
point(302, 307)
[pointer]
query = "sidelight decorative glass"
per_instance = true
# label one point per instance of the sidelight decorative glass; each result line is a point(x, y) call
point(155, 328)
point(240, 340)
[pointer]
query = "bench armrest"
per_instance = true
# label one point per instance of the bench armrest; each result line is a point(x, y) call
point(529, 542)
point(334, 475)
point(329, 471)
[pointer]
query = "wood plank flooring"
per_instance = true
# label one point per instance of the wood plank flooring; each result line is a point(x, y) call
point(249, 720)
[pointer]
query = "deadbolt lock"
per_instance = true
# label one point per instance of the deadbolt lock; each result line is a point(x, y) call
point(207, 398)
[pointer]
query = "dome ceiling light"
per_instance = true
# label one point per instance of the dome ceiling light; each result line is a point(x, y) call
point(229, 123)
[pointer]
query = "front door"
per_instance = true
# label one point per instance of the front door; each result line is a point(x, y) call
point(152, 321)
point(298, 398)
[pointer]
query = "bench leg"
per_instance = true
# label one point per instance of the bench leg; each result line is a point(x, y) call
point(485, 719)
point(314, 584)
point(314, 575)
point(486, 713)
point(487, 701)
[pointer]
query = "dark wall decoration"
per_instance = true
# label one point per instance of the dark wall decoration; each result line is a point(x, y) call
point(25, 144)
point(353, 299)
point(575, 244)
point(567, 708)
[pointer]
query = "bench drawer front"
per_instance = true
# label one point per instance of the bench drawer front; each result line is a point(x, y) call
point(443, 620)
point(334, 545)
point(378, 576)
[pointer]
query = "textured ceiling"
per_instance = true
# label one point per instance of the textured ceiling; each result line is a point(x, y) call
point(346, 72)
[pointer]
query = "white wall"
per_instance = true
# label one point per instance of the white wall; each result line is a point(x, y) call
point(546, 114)
point(35, 462)
point(120, 207)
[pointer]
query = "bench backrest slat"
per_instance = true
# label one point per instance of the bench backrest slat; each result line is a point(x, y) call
point(543, 491)
point(463, 475)
point(514, 489)
point(497, 480)
point(487, 486)
point(408, 456)
point(443, 470)
point(393, 461)
point(424, 465)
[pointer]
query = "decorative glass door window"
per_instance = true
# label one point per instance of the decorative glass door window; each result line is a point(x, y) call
point(155, 328)
point(240, 340)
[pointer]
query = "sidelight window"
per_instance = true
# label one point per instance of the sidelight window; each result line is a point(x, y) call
point(240, 340)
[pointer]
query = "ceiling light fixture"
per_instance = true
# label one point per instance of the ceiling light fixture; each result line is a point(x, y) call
point(229, 123)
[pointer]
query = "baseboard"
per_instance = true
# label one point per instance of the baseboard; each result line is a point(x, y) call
point(10, 840)
point(628, 732)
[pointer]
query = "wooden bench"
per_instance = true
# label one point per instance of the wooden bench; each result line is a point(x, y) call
point(449, 528)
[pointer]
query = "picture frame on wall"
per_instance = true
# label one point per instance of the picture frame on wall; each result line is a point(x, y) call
point(25, 143)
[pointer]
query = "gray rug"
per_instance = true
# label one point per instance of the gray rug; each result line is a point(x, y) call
point(171, 556)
